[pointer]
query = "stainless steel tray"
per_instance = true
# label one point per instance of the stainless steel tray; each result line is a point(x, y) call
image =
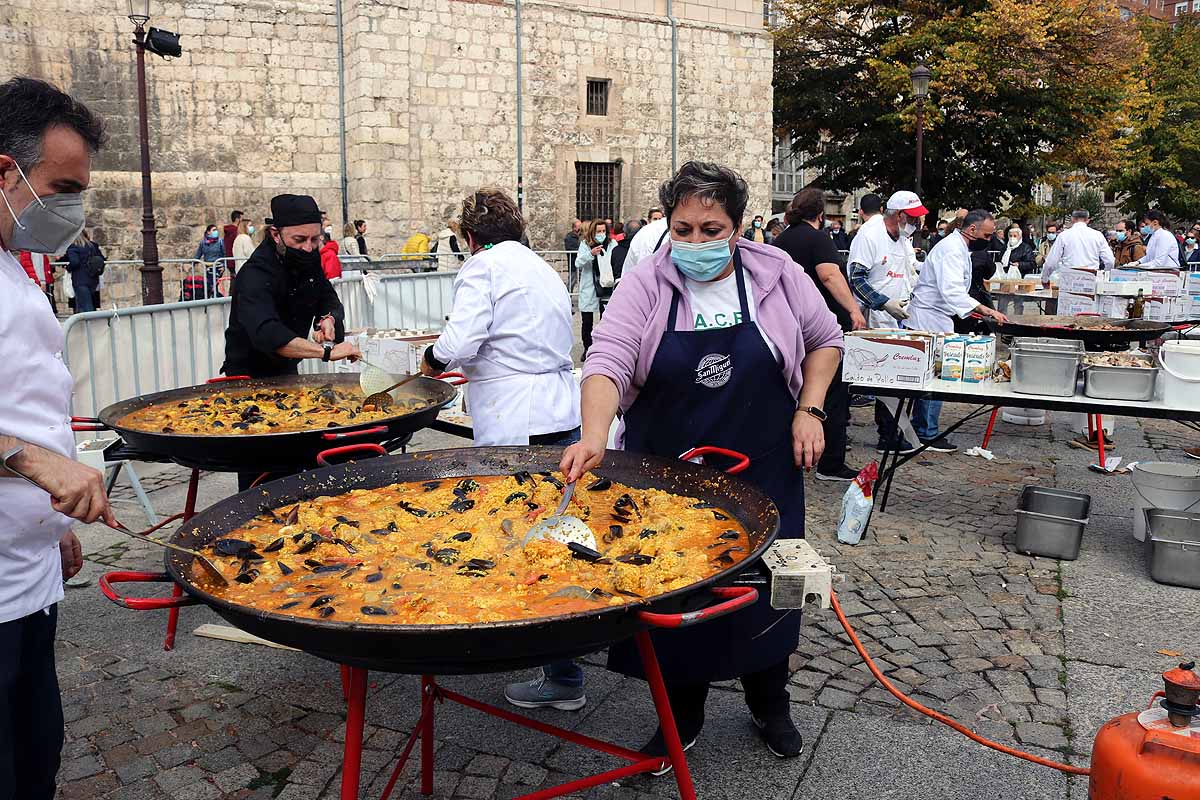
point(1121, 383)
point(1173, 547)
point(1050, 522)
point(1037, 371)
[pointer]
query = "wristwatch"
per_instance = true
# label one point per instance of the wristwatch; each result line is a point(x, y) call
point(816, 412)
point(328, 349)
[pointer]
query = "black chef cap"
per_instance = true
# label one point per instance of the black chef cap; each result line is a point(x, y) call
point(293, 209)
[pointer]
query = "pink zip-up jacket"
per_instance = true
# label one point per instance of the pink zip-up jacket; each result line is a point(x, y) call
point(788, 309)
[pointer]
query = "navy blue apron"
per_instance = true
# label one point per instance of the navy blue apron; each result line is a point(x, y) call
point(721, 387)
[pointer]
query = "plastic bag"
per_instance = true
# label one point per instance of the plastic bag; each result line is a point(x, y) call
point(856, 505)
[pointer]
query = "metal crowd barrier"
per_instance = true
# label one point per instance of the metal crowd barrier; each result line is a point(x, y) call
point(124, 352)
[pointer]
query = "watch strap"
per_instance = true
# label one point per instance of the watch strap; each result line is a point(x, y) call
point(328, 349)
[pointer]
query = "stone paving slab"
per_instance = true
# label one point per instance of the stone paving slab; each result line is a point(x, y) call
point(1028, 651)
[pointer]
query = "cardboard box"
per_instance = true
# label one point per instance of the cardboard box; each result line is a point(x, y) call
point(398, 352)
point(1071, 304)
point(1193, 307)
point(1113, 306)
point(979, 358)
point(1105, 286)
point(1192, 283)
point(1166, 309)
point(1163, 282)
point(1077, 281)
point(889, 358)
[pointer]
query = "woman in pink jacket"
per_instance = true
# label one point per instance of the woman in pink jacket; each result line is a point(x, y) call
point(716, 340)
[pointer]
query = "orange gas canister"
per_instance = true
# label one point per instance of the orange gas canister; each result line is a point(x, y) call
point(1154, 754)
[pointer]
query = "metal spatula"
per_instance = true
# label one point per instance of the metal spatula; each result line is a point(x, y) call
point(560, 528)
point(209, 567)
point(372, 379)
point(383, 399)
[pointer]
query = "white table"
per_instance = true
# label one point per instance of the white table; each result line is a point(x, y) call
point(990, 396)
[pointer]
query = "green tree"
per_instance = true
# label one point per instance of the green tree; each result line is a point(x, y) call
point(1163, 166)
point(1021, 89)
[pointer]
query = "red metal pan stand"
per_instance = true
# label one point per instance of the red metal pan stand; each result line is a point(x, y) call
point(354, 684)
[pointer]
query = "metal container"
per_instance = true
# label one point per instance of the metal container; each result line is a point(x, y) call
point(1045, 370)
point(1047, 343)
point(1121, 383)
point(1050, 522)
point(1173, 547)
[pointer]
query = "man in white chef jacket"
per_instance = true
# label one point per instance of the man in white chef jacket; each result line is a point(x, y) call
point(940, 295)
point(1162, 248)
point(46, 143)
point(1080, 245)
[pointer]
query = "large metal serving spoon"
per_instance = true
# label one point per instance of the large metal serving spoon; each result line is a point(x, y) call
point(383, 399)
point(562, 528)
point(209, 567)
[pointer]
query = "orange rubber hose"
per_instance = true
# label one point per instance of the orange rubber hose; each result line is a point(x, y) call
point(942, 718)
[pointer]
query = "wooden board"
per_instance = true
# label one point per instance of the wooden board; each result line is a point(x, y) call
point(230, 634)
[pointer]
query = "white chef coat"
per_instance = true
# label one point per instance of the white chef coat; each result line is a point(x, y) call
point(942, 290)
point(510, 333)
point(1162, 251)
point(644, 243)
point(1077, 246)
point(34, 411)
point(890, 262)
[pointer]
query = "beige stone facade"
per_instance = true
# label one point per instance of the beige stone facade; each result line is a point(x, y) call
point(251, 109)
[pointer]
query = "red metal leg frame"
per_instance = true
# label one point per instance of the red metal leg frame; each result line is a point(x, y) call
point(189, 511)
point(987, 436)
point(1100, 438)
point(431, 693)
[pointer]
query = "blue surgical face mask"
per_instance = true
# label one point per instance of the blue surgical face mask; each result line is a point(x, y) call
point(600, 237)
point(1147, 230)
point(701, 261)
point(1050, 237)
point(1121, 235)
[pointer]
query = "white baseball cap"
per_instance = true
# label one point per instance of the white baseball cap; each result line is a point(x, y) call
point(908, 202)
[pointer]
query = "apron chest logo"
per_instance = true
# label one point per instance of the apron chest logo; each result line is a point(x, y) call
point(714, 370)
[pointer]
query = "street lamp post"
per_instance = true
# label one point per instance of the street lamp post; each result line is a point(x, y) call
point(152, 285)
point(920, 83)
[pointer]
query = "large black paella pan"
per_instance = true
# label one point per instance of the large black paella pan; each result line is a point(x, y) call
point(274, 452)
point(485, 647)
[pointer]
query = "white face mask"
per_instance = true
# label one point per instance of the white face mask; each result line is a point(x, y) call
point(908, 229)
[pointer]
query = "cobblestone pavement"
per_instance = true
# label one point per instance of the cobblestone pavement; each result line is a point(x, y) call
point(1027, 651)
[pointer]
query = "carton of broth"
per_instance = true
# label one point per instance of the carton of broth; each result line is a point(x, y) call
point(979, 356)
point(954, 351)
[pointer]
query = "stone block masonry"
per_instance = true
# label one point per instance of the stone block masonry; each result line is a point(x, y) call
point(251, 109)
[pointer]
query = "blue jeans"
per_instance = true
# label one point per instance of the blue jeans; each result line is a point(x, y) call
point(83, 298)
point(925, 419)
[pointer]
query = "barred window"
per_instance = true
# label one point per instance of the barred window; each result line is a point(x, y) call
point(597, 97)
point(597, 190)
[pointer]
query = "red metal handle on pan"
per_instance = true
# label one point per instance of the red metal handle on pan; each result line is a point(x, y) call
point(739, 597)
point(142, 603)
point(741, 466)
point(1155, 696)
point(373, 449)
point(461, 379)
point(80, 424)
point(329, 437)
point(223, 378)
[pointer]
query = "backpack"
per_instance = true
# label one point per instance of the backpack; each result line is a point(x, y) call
point(416, 248)
point(95, 262)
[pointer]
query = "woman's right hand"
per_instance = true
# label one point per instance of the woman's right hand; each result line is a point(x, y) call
point(597, 251)
point(580, 457)
point(343, 350)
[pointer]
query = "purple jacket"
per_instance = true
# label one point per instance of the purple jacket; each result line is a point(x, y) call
point(788, 308)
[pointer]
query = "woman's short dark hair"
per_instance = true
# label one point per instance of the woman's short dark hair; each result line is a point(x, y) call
point(490, 216)
point(1154, 215)
point(709, 183)
point(806, 206)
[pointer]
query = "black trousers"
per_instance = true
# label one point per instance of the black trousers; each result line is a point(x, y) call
point(587, 319)
point(766, 694)
point(31, 716)
point(837, 409)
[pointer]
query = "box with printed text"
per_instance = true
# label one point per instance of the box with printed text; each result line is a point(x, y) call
point(889, 358)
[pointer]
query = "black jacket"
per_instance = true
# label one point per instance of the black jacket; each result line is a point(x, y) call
point(841, 240)
point(271, 305)
point(983, 267)
point(1024, 258)
point(78, 264)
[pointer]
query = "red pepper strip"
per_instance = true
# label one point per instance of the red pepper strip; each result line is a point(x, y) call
point(532, 514)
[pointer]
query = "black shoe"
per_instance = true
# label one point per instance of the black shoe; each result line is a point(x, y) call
point(779, 733)
point(941, 444)
point(905, 448)
point(843, 474)
point(860, 400)
point(657, 747)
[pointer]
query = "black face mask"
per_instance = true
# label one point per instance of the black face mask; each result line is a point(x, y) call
point(298, 259)
point(977, 245)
